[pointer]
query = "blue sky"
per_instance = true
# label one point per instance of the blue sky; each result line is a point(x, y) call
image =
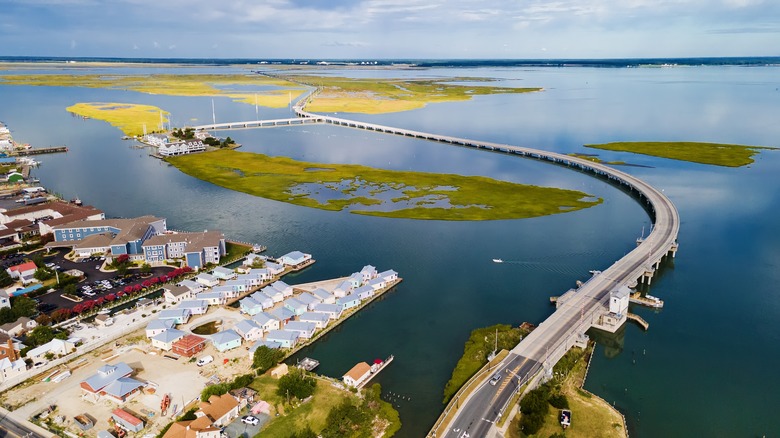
point(375, 29)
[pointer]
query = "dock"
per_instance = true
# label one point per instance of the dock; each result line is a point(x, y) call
point(376, 371)
point(308, 364)
point(649, 300)
point(39, 151)
point(639, 320)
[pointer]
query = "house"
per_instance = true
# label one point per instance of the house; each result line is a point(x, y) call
point(286, 338)
point(308, 299)
point(266, 322)
point(348, 302)
point(195, 249)
point(189, 345)
point(252, 258)
point(156, 139)
point(281, 370)
point(295, 306)
point(212, 298)
point(157, 326)
point(197, 428)
point(332, 310)
point(226, 340)
point(11, 348)
point(127, 421)
point(196, 307)
point(364, 292)
point(12, 368)
point(165, 340)
point(55, 347)
point(227, 291)
point(389, 275)
point(250, 306)
point(144, 303)
point(112, 382)
point(220, 409)
point(274, 268)
point(249, 279)
point(181, 148)
point(305, 329)
point(320, 320)
point(207, 280)
point(103, 320)
point(356, 279)
point(377, 283)
point(21, 325)
point(249, 330)
point(5, 300)
point(193, 286)
point(357, 375)
point(23, 272)
point(125, 236)
point(262, 274)
point(276, 295)
point(238, 286)
point(283, 287)
point(245, 396)
point(176, 294)
point(343, 289)
point(179, 316)
point(261, 343)
point(283, 314)
point(368, 273)
point(295, 259)
point(323, 296)
point(263, 299)
point(223, 273)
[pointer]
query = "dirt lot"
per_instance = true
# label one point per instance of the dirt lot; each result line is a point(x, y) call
point(181, 378)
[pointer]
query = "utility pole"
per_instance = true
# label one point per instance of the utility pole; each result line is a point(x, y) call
point(213, 113)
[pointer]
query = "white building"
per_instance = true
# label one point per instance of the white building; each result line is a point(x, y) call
point(181, 148)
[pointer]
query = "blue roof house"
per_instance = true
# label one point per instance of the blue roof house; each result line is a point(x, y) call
point(238, 286)
point(266, 322)
point(389, 275)
point(249, 330)
point(270, 344)
point(320, 320)
point(324, 296)
point(332, 310)
point(212, 298)
point(295, 258)
point(226, 340)
point(157, 326)
point(223, 273)
point(368, 273)
point(283, 314)
point(364, 292)
point(250, 306)
point(308, 299)
point(295, 306)
point(264, 300)
point(196, 307)
point(274, 293)
point(283, 287)
point(348, 302)
point(165, 340)
point(179, 316)
point(343, 289)
point(306, 329)
point(286, 338)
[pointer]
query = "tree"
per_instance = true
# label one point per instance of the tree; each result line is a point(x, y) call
point(61, 314)
point(70, 289)
point(43, 319)
point(42, 274)
point(345, 420)
point(265, 358)
point(5, 278)
point(305, 433)
point(6, 315)
point(23, 306)
point(37, 258)
point(296, 384)
point(146, 268)
point(40, 335)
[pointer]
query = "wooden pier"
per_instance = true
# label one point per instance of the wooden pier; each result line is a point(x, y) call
point(639, 320)
point(374, 373)
point(39, 151)
point(649, 301)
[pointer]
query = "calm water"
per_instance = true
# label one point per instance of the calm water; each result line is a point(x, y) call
point(707, 365)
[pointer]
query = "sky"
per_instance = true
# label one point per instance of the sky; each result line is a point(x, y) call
point(390, 29)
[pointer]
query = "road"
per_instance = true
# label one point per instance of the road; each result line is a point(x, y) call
point(10, 427)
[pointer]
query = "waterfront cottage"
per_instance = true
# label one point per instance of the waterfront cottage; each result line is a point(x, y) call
point(262, 274)
point(179, 316)
point(165, 340)
point(367, 274)
point(196, 307)
point(226, 340)
point(323, 296)
point(343, 289)
point(308, 299)
point(276, 295)
point(223, 273)
point(332, 310)
point(356, 280)
point(157, 326)
point(364, 292)
point(270, 344)
point(349, 301)
point(283, 314)
point(252, 258)
point(266, 321)
point(283, 287)
point(212, 298)
point(377, 283)
point(238, 286)
point(176, 294)
point(389, 275)
point(249, 330)
point(320, 320)
point(357, 375)
point(207, 280)
point(274, 268)
point(295, 306)
point(249, 279)
point(286, 338)
point(305, 329)
point(295, 259)
point(250, 306)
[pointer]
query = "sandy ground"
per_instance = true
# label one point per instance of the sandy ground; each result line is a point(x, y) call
point(328, 285)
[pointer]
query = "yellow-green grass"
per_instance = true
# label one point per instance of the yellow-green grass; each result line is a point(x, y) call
point(376, 96)
point(471, 197)
point(172, 84)
point(717, 154)
point(130, 118)
point(591, 416)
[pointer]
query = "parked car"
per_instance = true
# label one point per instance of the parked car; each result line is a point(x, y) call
point(205, 360)
point(250, 420)
point(495, 379)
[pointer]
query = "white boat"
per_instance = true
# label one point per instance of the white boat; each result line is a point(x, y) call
point(498, 261)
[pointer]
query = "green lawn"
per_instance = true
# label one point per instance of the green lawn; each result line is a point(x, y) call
point(475, 353)
point(727, 155)
point(469, 197)
point(234, 251)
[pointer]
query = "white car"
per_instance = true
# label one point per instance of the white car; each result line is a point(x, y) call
point(204, 360)
point(250, 420)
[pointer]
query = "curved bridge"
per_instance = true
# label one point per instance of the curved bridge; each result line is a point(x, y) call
point(585, 308)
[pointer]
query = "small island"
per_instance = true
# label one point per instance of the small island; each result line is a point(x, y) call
point(131, 118)
point(378, 192)
point(717, 154)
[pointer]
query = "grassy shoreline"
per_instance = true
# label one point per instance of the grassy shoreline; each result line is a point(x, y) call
point(716, 154)
point(468, 198)
point(130, 118)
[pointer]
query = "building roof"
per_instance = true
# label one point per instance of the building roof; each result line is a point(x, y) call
point(101, 240)
point(206, 277)
point(280, 286)
point(245, 326)
point(263, 318)
point(193, 304)
point(189, 341)
point(368, 269)
point(322, 307)
point(209, 295)
point(300, 326)
point(284, 335)
point(194, 242)
point(295, 304)
point(169, 336)
point(129, 229)
point(225, 336)
point(107, 374)
point(26, 266)
point(249, 302)
point(358, 371)
point(178, 290)
point(321, 293)
point(307, 298)
point(261, 297)
point(191, 285)
point(260, 343)
point(173, 313)
point(218, 406)
point(387, 273)
point(347, 299)
point(126, 417)
point(282, 313)
point(160, 324)
point(314, 316)
point(224, 271)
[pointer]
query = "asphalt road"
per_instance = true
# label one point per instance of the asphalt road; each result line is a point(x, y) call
point(476, 417)
point(11, 428)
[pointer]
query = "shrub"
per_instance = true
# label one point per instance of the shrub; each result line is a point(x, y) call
point(559, 401)
point(296, 384)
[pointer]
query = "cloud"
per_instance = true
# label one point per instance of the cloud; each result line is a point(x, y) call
point(73, 44)
point(344, 44)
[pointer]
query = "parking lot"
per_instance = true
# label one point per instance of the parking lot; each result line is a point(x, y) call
point(97, 283)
